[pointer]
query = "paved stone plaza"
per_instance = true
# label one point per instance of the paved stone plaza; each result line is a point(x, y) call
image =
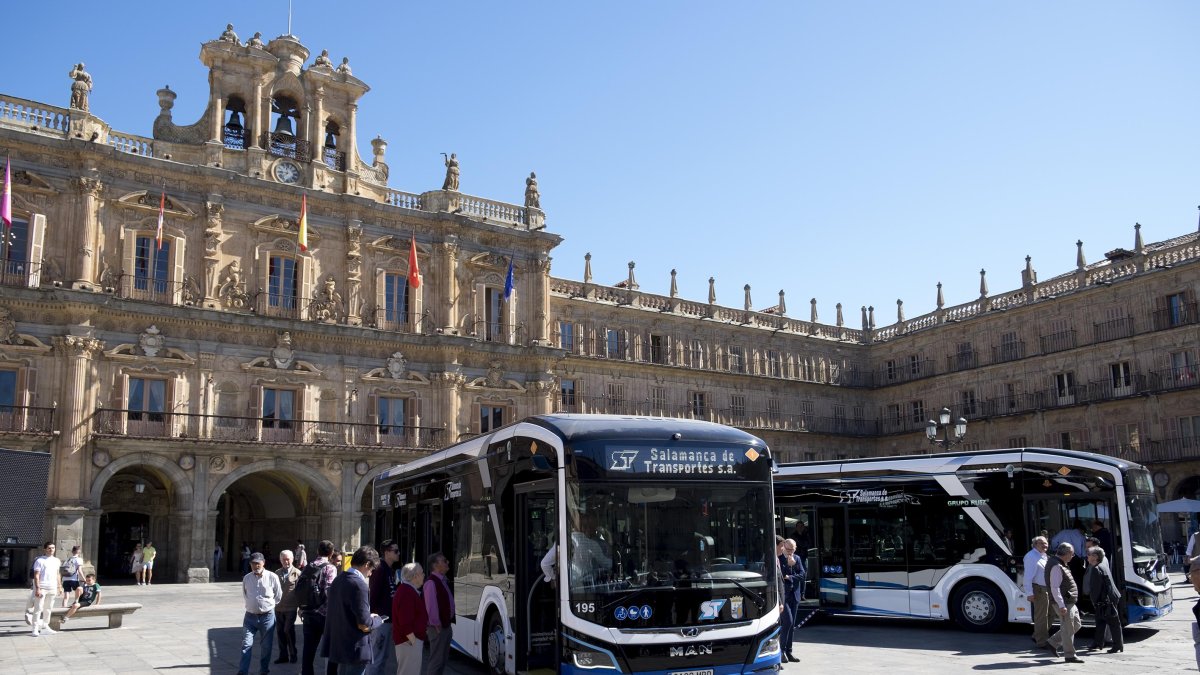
point(184, 629)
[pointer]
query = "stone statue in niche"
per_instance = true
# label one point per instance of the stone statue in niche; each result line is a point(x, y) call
point(151, 341)
point(451, 182)
point(8, 327)
point(80, 88)
point(283, 353)
point(323, 60)
point(229, 35)
point(396, 365)
point(327, 302)
point(255, 42)
point(232, 290)
point(191, 291)
point(108, 276)
point(533, 199)
point(52, 271)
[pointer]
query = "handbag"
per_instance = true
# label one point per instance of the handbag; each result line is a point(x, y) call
point(1195, 577)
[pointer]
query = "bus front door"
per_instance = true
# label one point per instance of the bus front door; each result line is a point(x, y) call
point(832, 568)
point(537, 607)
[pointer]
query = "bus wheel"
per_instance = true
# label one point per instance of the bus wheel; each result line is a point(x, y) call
point(978, 606)
point(494, 652)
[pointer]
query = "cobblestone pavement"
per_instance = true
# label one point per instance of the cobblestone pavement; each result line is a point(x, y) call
point(185, 629)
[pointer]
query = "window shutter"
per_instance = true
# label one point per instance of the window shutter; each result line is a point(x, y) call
point(119, 404)
point(476, 411)
point(34, 252)
point(413, 414)
point(480, 329)
point(380, 296)
point(301, 427)
point(177, 268)
point(306, 272)
point(255, 423)
point(416, 305)
point(510, 318)
point(128, 251)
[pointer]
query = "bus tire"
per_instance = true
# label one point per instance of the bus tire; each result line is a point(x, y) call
point(978, 606)
point(494, 652)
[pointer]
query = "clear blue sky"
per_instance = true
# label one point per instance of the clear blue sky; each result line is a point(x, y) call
point(858, 152)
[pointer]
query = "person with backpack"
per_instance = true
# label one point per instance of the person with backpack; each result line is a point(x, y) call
point(312, 589)
point(70, 575)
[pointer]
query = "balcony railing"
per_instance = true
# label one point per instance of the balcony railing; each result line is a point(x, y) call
point(333, 159)
point(1057, 342)
point(962, 361)
point(19, 273)
point(142, 288)
point(26, 420)
point(903, 370)
point(1181, 377)
point(230, 429)
point(1183, 315)
point(1008, 351)
point(492, 331)
point(1113, 330)
point(287, 145)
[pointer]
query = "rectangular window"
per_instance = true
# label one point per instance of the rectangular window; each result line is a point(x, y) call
point(392, 417)
point(774, 363)
point(1010, 396)
point(658, 400)
point(491, 417)
point(1064, 384)
point(1189, 431)
point(890, 369)
point(396, 300)
point(696, 354)
point(773, 411)
point(914, 365)
point(1121, 378)
point(917, 408)
point(1176, 310)
point(151, 268)
point(969, 404)
point(1071, 440)
point(893, 413)
point(494, 324)
point(614, 344)
point(279, 408)
point(1017, 442)
point(15, 268)
point(566, 336)
point(147, 399)
point(566, 390)
point(737, 359)
point(737, 406)
point(658, 349)
point(8, 390)
point(1127, 437)
point(699, 404)
point(1183, 368)
point(282, 283)
point(616, 394)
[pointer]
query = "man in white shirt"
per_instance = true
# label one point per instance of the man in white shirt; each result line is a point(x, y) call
point(1065, 593)
point(261, 591)
point(589, 559)
point(47, 584)
point(1036, 591)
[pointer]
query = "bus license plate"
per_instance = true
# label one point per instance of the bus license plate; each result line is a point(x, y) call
point(691, 672)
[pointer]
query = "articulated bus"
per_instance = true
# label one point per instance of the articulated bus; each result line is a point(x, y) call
point(943, 536)
point(599, 543)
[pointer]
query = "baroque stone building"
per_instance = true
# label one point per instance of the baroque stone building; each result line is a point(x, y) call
point(217, 382)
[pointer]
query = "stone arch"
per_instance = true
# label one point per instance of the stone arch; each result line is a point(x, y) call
point(366, 480)
point(320, 484)
point(179, 479)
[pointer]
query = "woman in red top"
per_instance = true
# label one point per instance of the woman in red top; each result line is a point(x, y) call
point(409, 619)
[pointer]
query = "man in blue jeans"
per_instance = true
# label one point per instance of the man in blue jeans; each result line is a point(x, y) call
point(261, 591)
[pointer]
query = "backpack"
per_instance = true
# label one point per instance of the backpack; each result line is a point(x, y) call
point(310, 591)
point(70, 567)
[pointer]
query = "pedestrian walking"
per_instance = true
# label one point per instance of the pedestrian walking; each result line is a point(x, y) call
point(382, 586)
point(218, 552)
point(349, 622)
point(87, 595)
point(246, 553)
point(149, 553)
point(791, 570)
point(285, 611)
point(439, 605)
point(1104, 594)
point(47, 584)
point(261, 592)
point(135, 563)
point(71, 571)
point(1036, 591)
point(1065, 592)
point(312, 592)
point(301, 555)
point(409, 620)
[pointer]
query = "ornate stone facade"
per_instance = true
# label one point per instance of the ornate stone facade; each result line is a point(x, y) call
point(232, 386)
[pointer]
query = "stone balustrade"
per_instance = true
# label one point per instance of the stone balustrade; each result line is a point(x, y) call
point(492, 210)
point(134, 145)
point(26, 115)
point(404, 200)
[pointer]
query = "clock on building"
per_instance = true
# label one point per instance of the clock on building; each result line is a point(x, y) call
point(287, 172)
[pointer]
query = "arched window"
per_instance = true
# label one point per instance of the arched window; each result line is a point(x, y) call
point(333, 158)
point(284, 139)
point(234, 132)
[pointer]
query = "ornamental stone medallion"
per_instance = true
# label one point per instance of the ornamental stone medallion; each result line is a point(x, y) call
point(396, 365)
point(151, 341)
point(283, 353)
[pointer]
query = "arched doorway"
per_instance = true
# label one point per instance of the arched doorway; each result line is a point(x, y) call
point(135, 507)
point(268, 510)
point(1178, 526)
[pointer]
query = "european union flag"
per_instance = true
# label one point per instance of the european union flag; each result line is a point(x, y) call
point(508, 281)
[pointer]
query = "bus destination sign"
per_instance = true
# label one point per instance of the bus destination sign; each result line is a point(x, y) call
point(678, 460)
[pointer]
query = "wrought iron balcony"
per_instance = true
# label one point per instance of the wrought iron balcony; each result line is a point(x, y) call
point(1112, 330)
point(1057, 342)
point(1008, 351)
point(962, 361)
point(1183, 315)
point(26, 420)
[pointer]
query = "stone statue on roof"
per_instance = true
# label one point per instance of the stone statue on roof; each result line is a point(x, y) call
point(323, 60)
point(533, 199)
point(80, 88)
point(345, 67)
point(229, 35)
point(451, 182)
point(255, 42)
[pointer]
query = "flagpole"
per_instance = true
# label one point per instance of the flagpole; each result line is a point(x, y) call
point(157, 240)
point(7, 214)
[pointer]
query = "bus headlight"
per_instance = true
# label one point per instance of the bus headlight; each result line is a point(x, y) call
point(586, 657)
point(769, 647)
point(1145, 600)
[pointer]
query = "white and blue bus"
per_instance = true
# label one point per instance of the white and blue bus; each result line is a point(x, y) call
point(599, 543)
point(942, 536)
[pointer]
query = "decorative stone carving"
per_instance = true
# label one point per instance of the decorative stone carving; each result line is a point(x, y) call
point(495, 375)
point(232, 290)
point(451, 182)
point(108, 277)
point(52, 272)
point(229, 35)
point(90, 187)
point(283, 353)
point(217, 463)
point(8, 327)
point(151, 341)
point(80, 87)
point(361, 467)
point(345, 67)
point(100, 458)
point(78, 345)
point(326, 303)
point(186, 462)
point(255, 42)
point(323, 60)
point(335, 465)
point(192, 295)
point(396, 365)
point(533, 199)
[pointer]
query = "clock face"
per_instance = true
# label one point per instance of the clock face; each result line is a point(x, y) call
point(286, 172)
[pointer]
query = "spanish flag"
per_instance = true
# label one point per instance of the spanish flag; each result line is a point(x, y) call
point(414, 272)
point(158, 234)
point(302, 236)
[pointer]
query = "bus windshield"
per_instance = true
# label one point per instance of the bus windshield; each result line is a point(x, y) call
point(667, 554)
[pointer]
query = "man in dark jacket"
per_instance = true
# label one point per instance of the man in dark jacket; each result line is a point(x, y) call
point(348, 620)
point(383, 586)
point(1104, 594)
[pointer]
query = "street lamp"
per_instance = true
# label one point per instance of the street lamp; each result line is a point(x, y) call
point(946, 441)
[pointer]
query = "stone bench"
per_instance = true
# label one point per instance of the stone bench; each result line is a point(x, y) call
point(115, 611)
